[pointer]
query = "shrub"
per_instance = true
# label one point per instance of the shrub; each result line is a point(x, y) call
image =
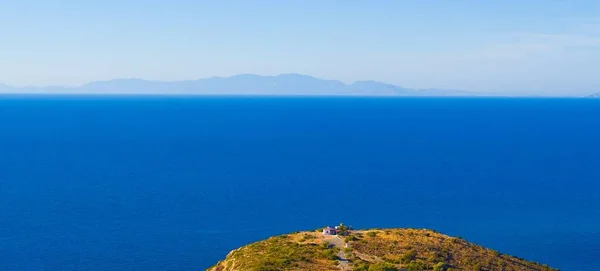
point(343, 227)
point(330, 254)
point(361, 267)
point(350, 238)
point(441, 266)
point(382, 267)
point(307, 237)
point(266, 268)
point(372, 234)
point(415, 266)
point(409, 257)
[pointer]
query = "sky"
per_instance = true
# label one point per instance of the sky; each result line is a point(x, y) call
point(525, 46)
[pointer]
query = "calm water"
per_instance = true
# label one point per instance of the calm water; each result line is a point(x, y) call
point(155, 183)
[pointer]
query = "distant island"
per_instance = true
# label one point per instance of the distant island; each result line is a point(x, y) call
point(342, 248)
point(244, 84)
point(595, 95)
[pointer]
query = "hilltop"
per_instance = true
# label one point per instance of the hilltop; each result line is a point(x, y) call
point(371, 250)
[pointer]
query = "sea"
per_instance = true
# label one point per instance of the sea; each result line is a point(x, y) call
point(175, 182)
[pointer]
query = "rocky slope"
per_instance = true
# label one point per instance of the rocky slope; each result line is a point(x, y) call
point(371, 250)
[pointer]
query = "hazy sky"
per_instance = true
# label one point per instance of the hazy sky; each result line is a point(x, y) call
point(496, 45)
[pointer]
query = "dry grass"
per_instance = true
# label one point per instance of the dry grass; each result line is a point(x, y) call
point(412, 249)
point(403, 246)
point(287, 252)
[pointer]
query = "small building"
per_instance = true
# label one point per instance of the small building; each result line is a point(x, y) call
point(329, 231)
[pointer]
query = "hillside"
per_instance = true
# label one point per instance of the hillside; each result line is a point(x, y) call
point(370, 250)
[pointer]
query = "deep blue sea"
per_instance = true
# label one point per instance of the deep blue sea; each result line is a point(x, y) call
point(174, 183)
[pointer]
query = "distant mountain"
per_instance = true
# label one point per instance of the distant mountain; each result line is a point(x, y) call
point(5, 88)
point(244, 84)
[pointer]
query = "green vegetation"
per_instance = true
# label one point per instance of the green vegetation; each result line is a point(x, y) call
point(375, 267)
point(343, 229)
point(416, 266)
point(410, 256)
point(382, 267)
point(350, 238)
point(372, 250)
point(418, 249)
point(306, 237)
point(441, 266)
point(281, 253)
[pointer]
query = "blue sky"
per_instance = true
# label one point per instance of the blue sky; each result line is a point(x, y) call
point(524, 46)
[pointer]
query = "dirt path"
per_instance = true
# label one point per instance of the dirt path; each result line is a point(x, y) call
point(343, 258)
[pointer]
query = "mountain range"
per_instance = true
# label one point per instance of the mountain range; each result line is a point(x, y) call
point(247, 84)
point(244, 84)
